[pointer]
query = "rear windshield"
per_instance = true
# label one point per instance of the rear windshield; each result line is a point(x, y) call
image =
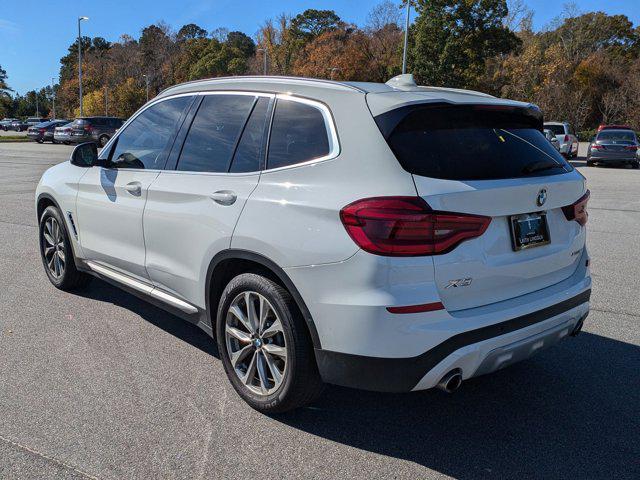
point(556, 129)
point(619, 136)
point(470, 142)
point(80, 121)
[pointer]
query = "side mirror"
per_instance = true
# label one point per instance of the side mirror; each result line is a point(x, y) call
point(85, 155)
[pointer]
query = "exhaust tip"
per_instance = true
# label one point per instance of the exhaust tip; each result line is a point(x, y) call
point(451, 381)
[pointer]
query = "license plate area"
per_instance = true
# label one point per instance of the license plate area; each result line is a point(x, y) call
point(529, 230)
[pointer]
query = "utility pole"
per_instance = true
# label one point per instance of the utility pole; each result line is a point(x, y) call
point(80, 60)
point(106, 102)
point(264, 52)
point(406, 39)
point(53, 96)
point(146, 79)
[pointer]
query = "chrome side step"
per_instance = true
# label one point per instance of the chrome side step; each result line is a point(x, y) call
point(142, 287)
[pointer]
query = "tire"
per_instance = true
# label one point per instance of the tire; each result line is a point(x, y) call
point(635, 165)
point(102, 141)
point(59, 264)
point(67, 143)
point(589, 163)
point(299, 381)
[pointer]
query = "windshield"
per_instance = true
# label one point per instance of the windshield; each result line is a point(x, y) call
point(617, 136)
point(471, 143)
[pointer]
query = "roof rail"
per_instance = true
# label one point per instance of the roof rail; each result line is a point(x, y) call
point(270, 78)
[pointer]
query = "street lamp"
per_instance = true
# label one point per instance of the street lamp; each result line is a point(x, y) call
point(406, 39)
point(80, 60)
point(264, 50)
point(146, 79)
point(53, 96)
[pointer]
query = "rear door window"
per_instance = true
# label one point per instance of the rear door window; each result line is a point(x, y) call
point(214, 133)
point(298, 134)
point(470, 143)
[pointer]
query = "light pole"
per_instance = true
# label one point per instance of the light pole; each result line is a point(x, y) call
point(80, 60)
point(53, 96)
point(406, 39)
point(146, 79)
point(264, 51)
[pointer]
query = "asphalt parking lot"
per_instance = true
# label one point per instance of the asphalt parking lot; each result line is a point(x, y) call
point(103, 385)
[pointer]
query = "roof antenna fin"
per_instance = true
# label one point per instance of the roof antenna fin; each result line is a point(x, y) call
point(402, 82)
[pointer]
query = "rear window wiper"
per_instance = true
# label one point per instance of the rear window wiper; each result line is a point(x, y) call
point(540, 167)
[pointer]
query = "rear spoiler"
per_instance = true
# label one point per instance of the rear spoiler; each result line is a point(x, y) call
point(512, 116)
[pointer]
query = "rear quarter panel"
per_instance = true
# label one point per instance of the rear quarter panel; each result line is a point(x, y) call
point(293, 216)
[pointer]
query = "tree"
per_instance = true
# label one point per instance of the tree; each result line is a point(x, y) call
point(338, 54)
point(311, 23)
point(5, 96)
point(243, 43)
point(282, 43)
point(190, 31)
point(454, 38)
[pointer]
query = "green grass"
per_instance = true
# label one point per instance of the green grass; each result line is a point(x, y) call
point(14, 138)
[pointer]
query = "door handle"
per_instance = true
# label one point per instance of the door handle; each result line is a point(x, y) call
point(224, 197)
point(134, 188)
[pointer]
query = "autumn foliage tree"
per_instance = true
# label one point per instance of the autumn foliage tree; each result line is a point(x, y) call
point(583, 68)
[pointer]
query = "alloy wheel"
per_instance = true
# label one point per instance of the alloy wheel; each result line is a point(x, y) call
point(54, 248)
point(255, 342)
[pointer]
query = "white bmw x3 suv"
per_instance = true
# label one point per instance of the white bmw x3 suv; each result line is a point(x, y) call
point(388, 237)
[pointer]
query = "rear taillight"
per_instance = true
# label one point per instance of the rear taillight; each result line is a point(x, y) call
point(633, 148)
point(597, 147)
point(88, 129)
point(578, 211)
point(407, 226)
point(41, 130)
point(566, 138)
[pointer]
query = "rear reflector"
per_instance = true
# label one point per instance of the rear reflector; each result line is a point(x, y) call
point(406, 226)
point(578, 211)
point(426, 307)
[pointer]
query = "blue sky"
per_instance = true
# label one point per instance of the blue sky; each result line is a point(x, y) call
point(34, 34)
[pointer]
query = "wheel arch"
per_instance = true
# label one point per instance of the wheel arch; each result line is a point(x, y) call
point(229, 263)
point(45, 200)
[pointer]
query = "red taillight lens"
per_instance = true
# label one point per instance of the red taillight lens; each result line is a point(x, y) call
point(578, 211)
point(597, 147)
point(406, 226)
point(566, 138)
point(41, 130)
point(633, 148)
point(88, 128)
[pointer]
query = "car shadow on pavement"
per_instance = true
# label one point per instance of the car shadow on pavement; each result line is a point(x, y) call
point(185, 331)
point(571, 412)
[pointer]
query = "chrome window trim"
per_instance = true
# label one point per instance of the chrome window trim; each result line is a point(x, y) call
point(332, 134)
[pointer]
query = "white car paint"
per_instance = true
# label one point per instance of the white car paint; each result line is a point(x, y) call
point(161, 239)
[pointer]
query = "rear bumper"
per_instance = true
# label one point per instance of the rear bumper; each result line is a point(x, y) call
point(630, 157)
point(475, 352)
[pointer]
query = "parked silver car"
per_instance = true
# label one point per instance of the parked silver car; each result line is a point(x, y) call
point(614, 147)
point(62, 134)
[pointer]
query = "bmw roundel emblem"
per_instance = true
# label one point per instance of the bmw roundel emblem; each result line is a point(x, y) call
point(542, 197)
